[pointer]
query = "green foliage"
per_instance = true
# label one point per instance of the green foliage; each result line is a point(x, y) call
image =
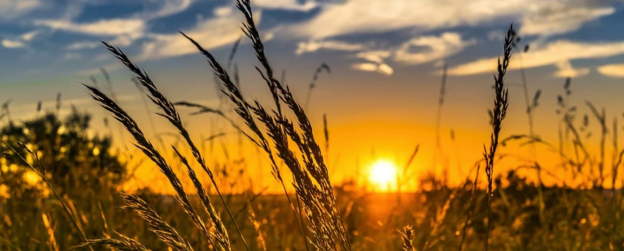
point(65, 151)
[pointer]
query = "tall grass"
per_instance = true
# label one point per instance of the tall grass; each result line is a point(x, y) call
point(319, 201)
point(511, 212)
point(40, 171)
point(317, 72)
point(311, 178)
point(497, 114)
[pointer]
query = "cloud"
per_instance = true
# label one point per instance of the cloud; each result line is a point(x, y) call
point(285, 4)
point(124, 30)
point(428, 49)
point(106, 27)
point(10, 9)
point(565, 69)
point(166, 8)
point(223, 11)
point(28, 36)
point(563, 21)
point(211, 33)
point(126, 39)
point(374, 16)
point(373, 67)
point(377, 56)
point(385, 69)
point(313, 46)
point(612, 70)
point(12, 44)
point(375, 62)
point(550, 54)
point(20, 41)
point(435, 48)
point(82, 45)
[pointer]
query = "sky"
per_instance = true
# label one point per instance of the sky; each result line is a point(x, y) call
point(386, 59)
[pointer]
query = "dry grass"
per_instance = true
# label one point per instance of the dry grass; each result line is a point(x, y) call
point(497, 114)
point(518, 216)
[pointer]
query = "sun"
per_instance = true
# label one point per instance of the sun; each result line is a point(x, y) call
point(383, 175)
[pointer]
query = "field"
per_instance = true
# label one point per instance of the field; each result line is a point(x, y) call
point(63, 188)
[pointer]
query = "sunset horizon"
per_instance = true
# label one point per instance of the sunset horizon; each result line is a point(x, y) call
point(311, 124)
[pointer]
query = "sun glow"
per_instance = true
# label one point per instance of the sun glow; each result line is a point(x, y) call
point(383, 175)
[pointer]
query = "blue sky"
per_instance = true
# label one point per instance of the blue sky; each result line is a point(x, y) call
point(386, 56)
point(39, 38)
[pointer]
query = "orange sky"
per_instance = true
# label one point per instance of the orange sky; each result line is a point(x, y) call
point(381, 97)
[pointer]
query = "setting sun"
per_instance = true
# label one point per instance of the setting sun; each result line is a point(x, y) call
point(383, 175)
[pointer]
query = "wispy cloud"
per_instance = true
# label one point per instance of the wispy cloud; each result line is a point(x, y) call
point(435, 48)
point(83, 45)
point(313, 46)
point(211, 33)
point(106, 27)
point(165, 8)
point(418, 50)
point(375, 62)
point(19, 41)
point(550, 54)
point(612, 70)
point(286, 4)
point(373, 16)
point(28, 36)
point(374, 67)
point(10, 9)
point(377, 56)
point(124, 30)
point(565, 69)
point(223, 11)
point(561, 17)
point(12, 44)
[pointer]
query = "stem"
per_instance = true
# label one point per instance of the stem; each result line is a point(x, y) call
point(305, 105)
point(533, 151)
point(470, 210)
point(56, 194)
point(230, 214)
point(302, 224)
point(438, 150)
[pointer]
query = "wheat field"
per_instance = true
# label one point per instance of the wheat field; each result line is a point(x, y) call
point(62, 188)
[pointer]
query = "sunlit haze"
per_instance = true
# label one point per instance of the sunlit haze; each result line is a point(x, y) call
point(380, 97)
point(330, 125)
point(383, 175)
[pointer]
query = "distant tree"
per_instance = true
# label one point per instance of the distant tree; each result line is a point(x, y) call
point(76, 163)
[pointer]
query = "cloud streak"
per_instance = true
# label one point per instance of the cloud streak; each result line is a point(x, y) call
point(435, 48)
point(557, 52)
point(612, 70)
point(12, 44)
point(286, 4)
point(538, 17)
point(313, 46)
point(374, 67)
point(211, 33)
point(107, 27)
point(10, 9)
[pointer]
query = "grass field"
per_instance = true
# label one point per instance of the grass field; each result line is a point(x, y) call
point(62, 188)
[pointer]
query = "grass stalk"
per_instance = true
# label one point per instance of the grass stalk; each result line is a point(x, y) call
point(41, 173)
point(497, 114)
point(172, 115)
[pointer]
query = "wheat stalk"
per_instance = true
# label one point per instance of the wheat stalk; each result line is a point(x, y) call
point(407, 235)
point(125, 244)
point(496, 118)
point(172, 115)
